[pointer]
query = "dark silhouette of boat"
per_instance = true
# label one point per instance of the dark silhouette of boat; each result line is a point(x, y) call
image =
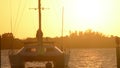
point(39, 52)
point(31, 53)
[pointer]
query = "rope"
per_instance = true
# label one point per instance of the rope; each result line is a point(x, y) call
point(11, 14)
point(34, 18)
point(17, 14)
point(20, 18)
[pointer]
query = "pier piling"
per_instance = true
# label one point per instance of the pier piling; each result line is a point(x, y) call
point(117, 39)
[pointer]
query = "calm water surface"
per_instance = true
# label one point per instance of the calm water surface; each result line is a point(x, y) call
point(79, 58)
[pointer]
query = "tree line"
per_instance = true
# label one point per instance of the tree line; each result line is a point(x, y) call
point(87, 39)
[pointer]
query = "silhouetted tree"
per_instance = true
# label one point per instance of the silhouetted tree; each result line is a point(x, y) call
point(9, 42)
point(7, 35)
point(7, 39)
point(88, 38)
point(76, 39)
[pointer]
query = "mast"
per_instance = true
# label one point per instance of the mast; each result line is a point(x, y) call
point(62, 26)
point(62, 20)
point(39, 34)
point(39, 11)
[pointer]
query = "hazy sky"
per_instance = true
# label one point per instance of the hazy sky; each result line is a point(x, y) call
point(98, 15)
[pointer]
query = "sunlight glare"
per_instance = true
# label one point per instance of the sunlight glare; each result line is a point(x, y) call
point(84, 13)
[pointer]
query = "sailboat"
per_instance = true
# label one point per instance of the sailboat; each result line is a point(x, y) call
point(55, 57)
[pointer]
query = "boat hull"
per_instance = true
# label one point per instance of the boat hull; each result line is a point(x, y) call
point(53, 54)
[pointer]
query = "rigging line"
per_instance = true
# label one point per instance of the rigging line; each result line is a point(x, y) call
point(55, 12)
point(25, 3)
point(34, 26)
point(17, 14)
point(62, 23)
point(34, 17)
point(11, 40)
point(44, 15)
point(10, 14)
point(62, 20)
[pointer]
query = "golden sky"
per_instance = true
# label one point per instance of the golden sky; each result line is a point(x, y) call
point(98, 15)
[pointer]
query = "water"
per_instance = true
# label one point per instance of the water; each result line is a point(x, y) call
point(93, 58)
point(79, 58)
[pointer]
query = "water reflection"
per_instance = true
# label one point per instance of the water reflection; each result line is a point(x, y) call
point(92, 58)
point(79, 58)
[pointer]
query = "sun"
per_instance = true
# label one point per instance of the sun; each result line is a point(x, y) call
point(84, 13)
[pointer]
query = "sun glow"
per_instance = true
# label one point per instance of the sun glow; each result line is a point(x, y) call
point(84, 13)
point(98, 15)
point(91, 14)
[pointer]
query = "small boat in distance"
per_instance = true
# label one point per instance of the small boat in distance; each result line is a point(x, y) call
point(55, 57)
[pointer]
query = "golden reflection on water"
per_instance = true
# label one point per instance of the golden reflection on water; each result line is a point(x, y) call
point(93, 58)
point(80, 58)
